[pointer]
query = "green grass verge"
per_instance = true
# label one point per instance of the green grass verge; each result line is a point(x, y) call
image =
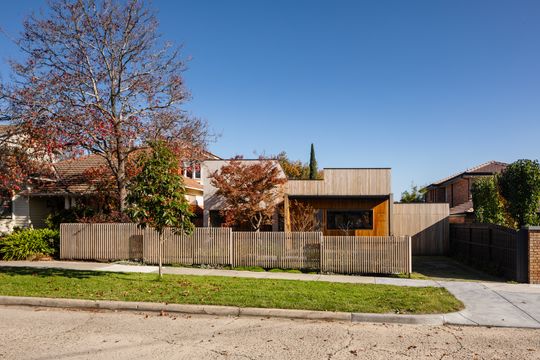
point(214, 290)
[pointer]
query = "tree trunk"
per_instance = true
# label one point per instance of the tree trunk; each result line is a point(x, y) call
point(160, 255)
point(121, 185)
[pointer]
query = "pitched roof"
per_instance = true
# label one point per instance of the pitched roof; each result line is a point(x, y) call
point(72, 176)
point(487, 168)
point(466, 207)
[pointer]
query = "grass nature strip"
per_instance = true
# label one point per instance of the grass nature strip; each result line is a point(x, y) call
point(214, 290)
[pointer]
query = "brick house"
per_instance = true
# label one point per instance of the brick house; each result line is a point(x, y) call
point(456, 190)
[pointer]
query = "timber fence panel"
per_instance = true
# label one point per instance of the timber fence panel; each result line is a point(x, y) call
point(487, 246)
point(102, 242)
point(285, 250)
point(366, 254)
point(208, 246)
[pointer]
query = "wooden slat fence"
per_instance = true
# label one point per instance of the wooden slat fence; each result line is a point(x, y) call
point(209, 246)
point(221, 246)
point(490, 246)
point(292, 250)
point(366, 254)
point(102, 242)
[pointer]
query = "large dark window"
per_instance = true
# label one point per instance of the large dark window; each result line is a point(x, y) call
point(6, 205)
point(349, 219)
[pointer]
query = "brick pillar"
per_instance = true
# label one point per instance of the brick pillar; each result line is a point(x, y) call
point(534, 254)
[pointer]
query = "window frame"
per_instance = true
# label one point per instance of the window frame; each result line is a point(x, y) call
point(335, 227)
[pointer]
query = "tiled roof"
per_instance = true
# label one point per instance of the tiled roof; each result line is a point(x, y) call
point(192, 184)
point(466, 207)
point(72, 176)
point(491, 167)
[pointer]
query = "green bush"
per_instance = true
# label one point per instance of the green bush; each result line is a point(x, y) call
point(72, 215)
point(488, 203)
point(29, 244)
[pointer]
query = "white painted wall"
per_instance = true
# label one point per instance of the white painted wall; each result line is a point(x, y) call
point(20, 216)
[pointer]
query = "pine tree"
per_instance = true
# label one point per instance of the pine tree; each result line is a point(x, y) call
point(313, 171)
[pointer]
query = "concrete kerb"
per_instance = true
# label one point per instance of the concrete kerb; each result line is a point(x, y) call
point(436, 319)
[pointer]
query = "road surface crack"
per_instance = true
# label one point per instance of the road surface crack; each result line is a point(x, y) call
point(347, 345)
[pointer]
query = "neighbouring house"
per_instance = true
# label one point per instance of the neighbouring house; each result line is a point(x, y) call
point(71, 185)
point(14, 208)
point(456, 190)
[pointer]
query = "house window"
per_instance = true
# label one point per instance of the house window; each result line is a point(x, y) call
point(6, 205)
point(349, 219)
point(191, 169)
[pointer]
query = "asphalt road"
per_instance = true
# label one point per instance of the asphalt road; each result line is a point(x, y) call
point(44, 333)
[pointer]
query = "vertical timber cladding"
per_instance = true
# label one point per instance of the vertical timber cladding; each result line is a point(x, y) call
point(379, 206)
point(426, 223)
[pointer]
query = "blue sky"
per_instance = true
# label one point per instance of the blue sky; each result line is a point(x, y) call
point(427, 88)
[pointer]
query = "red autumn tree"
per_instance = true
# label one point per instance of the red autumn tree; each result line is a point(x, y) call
point(303, 217)
point(22, 163)
point(251, 191)
point(98, 79)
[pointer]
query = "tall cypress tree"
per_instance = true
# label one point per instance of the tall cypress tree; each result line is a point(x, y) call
point(313, 171)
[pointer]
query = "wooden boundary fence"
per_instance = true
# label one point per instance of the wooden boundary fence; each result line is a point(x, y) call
point(498, 248)
point(285, 250)
point(221, 246)
point(366, 254)
point(426, 223)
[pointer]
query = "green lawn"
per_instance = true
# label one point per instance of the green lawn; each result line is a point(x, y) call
point(214, 290)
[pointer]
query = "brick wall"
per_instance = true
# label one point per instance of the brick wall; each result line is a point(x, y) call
point(460, 192)
point(534, 255)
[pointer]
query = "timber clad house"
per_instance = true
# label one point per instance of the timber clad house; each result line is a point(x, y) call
point(348, 201)
point(456, 190)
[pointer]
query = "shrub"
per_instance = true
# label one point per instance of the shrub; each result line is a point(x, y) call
point(520, 186)
point(29, 244)
point(72, 215)
point(488, 203)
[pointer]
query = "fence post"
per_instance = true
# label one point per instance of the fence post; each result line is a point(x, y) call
point(321, 253)
point(409, 255)
point(490, 244)
point(231, 250)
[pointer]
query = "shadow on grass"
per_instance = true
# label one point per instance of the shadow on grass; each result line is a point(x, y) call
point(48, 272)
